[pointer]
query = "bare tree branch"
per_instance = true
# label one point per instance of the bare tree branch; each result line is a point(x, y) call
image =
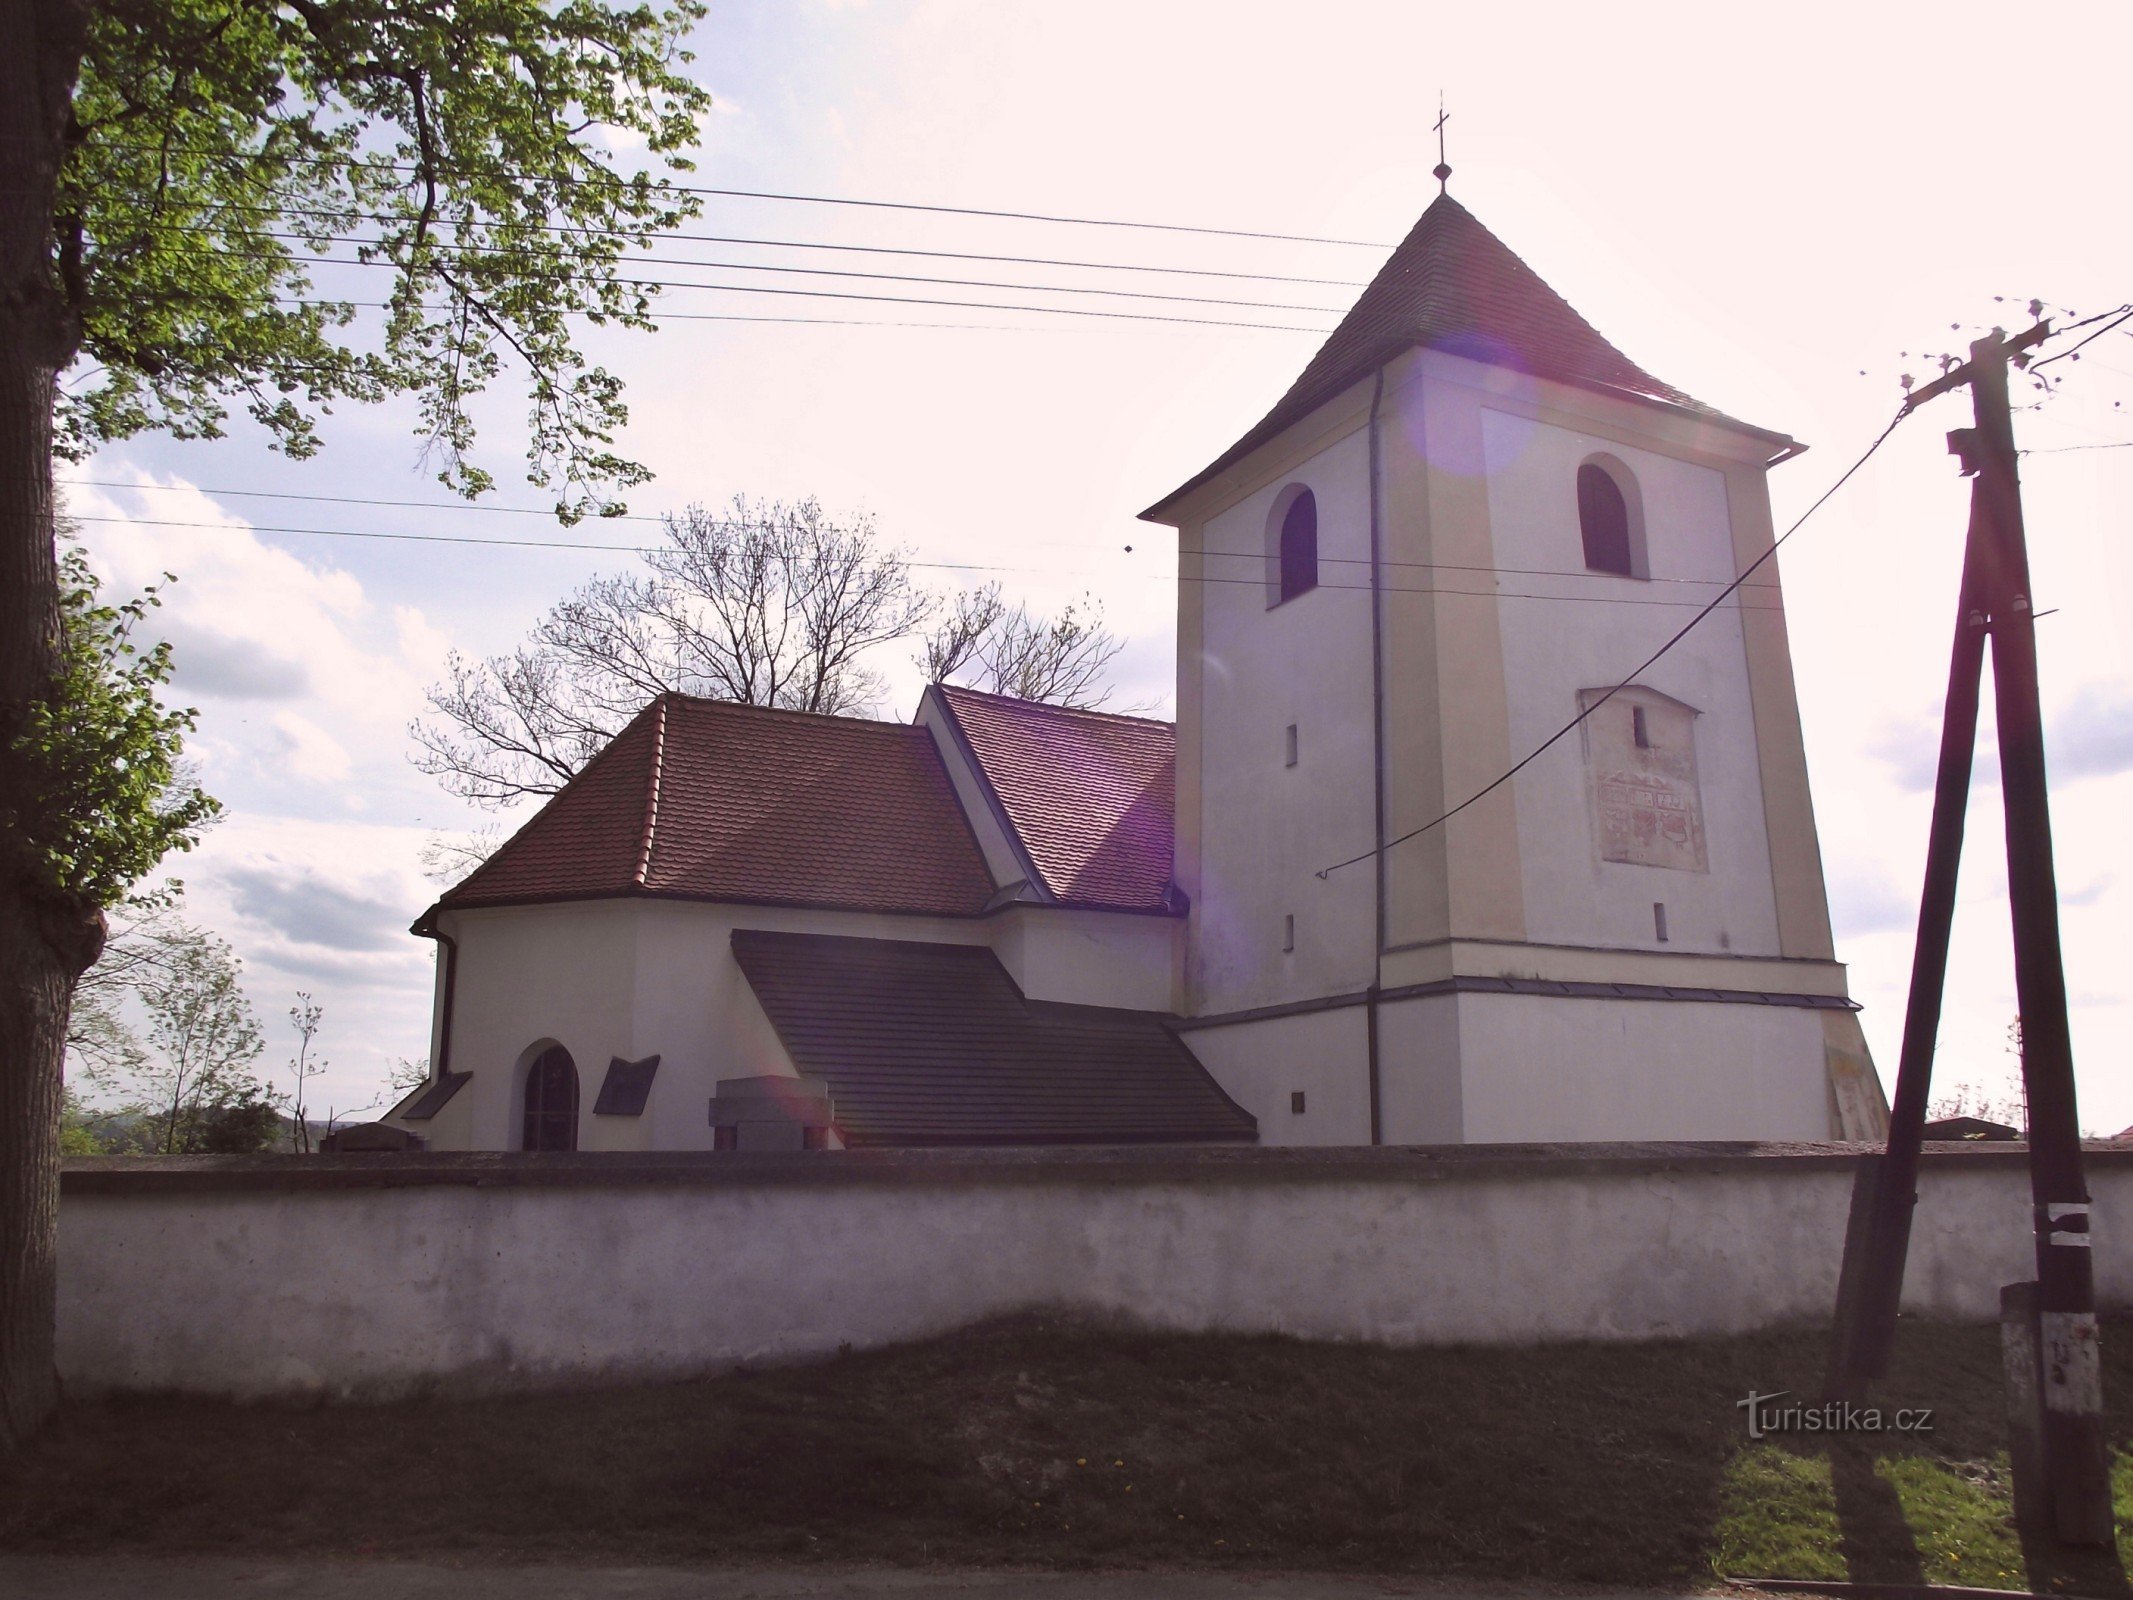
point(984, 643)
point(765, 603)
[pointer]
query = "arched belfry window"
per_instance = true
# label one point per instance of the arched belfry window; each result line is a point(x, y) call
point(1610, 521)
point(551, 1119)
point(1296, 551)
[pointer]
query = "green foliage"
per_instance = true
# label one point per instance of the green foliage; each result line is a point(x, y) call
point(218, 152)
point(105, 1130)
point(78, 1139)
point(79, 1133)
point(94, 798)
point(204, 1034)
point(246, 1123)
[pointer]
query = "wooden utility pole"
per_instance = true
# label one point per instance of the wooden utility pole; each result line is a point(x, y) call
point(1995, 604)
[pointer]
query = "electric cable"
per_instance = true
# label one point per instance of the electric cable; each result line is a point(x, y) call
point(619, 181)
point(827, 272)
point(2124, 314)
point(1712, 605)
point(944, 566)
point(664, 315)
point(676, 237)
point(540, 511)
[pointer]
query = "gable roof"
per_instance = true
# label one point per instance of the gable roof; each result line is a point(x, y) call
point(1088, 793)
point(1453, 285)
point(708, 800)
point(935, 1044)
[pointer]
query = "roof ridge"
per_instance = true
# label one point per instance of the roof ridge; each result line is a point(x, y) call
point(484, 868)
point(1054, 706)
point(782, 711)
point(651, 796)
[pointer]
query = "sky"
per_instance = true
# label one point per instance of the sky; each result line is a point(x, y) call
point(1780, 212)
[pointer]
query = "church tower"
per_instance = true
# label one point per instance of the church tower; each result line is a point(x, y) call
point(1468, 520)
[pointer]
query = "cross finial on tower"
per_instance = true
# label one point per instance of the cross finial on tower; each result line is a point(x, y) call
point(1443, 170)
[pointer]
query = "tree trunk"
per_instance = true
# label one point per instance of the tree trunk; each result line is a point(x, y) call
point(45, 944)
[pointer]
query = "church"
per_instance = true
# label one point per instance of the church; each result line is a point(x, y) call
point(1314, 910)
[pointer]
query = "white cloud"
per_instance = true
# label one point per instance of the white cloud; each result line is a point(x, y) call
point(323, 907)
point(310, 751)
point(617, 138)
point(248, 623)
point(304, 686)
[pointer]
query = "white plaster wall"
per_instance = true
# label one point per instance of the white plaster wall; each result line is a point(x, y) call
point(549, 972)
point(1553, 648)
point(623, 978)
point(1105, 958)
point(1544, 1068)
point(633, 977)
point(1266, 828)
point(1422, 1098)
point(451, 1289)
point(1324, 1053)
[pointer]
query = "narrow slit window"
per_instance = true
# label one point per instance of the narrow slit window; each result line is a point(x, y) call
point(1640, 728)
point(1288, 932)
point(1289, 746)
point(1603, 520)
point(1659, 921)
point(1299, 546)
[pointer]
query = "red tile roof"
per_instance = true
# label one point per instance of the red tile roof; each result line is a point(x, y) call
point(704, 799)
point(1089, 793)
point(934, 1044)
point(1453, 285)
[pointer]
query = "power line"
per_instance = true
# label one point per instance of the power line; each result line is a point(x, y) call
point(832, 272)
point(944, 566)
point(1033, 216)
point(900, 300)
point(2085, 321)
point(463, 539)
point(338, 499)
point(789, 244)
point(1711, 605)
point(2123, 315)
point(661, 185)
point(660, 519)
point(535, 511)
point(628, 517)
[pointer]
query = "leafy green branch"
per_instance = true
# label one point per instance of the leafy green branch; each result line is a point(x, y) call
point(96, 795)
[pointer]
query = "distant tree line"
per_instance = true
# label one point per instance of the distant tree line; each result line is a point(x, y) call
point(162, 1046)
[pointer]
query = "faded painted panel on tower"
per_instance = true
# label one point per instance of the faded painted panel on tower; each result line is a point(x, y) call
point(1647, 806)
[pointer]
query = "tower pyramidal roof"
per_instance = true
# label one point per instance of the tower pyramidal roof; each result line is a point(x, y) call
point(1452, 285)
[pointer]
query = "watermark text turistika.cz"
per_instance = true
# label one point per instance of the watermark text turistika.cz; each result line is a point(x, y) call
point(1766, 1416)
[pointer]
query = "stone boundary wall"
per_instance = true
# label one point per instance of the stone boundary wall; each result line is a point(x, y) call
point(374, 1276)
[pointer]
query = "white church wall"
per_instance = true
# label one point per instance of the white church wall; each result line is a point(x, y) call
point(1545, 1067)
point(1554, 648)
point(625, 978)
point(1265, 828)
point(632, 978)
point(530, 973)
point(444, 1277)
point(1262, 1064)
point(1421, 1091)
point(692, 993)
point(1107, 958)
